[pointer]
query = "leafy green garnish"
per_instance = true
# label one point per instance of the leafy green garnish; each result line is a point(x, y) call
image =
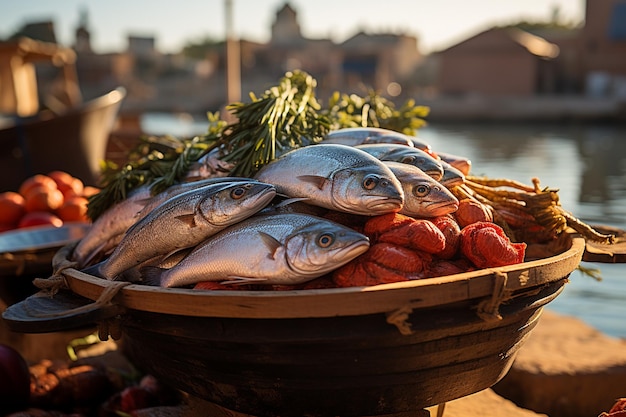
point(285, 117)
point(374, 110)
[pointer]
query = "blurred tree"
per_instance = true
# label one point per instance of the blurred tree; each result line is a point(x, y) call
point(200, 49)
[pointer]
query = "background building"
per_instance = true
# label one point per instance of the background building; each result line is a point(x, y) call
point(527, 60)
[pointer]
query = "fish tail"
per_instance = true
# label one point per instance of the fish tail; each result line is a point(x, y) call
point(88, 258)
point(95, 270)
point(151, 275)
point(130, 275)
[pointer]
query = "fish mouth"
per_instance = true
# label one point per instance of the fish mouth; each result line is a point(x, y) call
point(434, 174)
point(443, 208)
point(384, 205)
point(338, 258)
point(351, 251)
point(452, 182)
point(371, 206)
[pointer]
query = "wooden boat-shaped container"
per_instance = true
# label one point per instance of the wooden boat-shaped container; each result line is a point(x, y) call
point(74, 141)
point(363, 351)
point(69, 134)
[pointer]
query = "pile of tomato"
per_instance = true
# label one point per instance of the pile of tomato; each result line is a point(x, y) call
point(45, 199)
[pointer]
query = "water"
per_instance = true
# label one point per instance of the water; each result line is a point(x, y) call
point(588, 166)
point(586, 163)
point(181, 125)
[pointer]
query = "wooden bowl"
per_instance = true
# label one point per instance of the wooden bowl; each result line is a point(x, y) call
point(377, 350)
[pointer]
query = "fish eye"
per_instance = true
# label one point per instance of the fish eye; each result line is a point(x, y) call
point(407, 159)
point(370, 181)
point(421, 190)
point(325, 240)
point(237, 193)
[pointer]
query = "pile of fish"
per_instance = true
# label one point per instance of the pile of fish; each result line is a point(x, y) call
point(271, 229)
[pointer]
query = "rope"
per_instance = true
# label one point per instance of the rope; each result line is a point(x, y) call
point(60, 262)
point(399, 318)
point(103, 300)
point(488, 310)
point(56, 281)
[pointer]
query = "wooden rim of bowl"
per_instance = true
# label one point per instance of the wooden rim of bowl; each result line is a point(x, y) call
point(495, 283)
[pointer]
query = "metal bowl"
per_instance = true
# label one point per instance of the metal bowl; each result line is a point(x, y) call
point(27, 253)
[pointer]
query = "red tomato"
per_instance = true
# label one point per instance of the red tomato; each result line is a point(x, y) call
point(40, 218)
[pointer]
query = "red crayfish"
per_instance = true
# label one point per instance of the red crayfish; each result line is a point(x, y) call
point(404, 248)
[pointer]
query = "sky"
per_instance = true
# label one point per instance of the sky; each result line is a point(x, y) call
point(437, 24)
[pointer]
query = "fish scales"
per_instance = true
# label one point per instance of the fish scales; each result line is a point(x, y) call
point(184, 220)
point(353, 136)
point(111, 223)
point(461, 163)
point(399, 153)
point(279, 249)
point(108, 229)
point(177, 189)
point(423, 196)
point(452, 177)
point(337, 177)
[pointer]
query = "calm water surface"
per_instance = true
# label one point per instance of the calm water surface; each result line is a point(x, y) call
point(587, 164)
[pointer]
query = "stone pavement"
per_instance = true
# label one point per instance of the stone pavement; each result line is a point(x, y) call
point(567, 368)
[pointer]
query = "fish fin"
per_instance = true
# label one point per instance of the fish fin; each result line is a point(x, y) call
point(143, 202)
point(291, 200)
point(271, 243)
point(174, 257)
point(188, 219)
point(100, 251)
point(94, 270)
point(90, 256)
point(130, 275)
point(151, 275)
point(317, 180)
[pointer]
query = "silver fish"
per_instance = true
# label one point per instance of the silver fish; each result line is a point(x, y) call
point(459, 162)
point(337, 177)
point(352, 136)
point(162, 261)
point(107, 230)
point(423, 196)
point(112, 222)
point(285, 249)
point(406, 155)
point(177, 189)
point(451, 176)
point(294, 205)
point(184, 221)
point(420, 144)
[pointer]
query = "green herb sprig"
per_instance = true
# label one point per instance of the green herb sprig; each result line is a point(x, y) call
point(160, 161)
point(374, 110)
point(285, 117)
